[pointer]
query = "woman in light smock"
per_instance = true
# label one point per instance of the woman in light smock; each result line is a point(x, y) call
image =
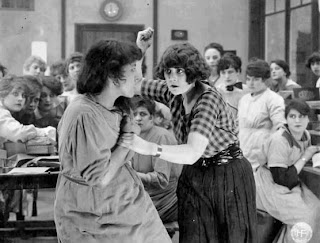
point(279, 190)
point(99, 197)
point(260, 113)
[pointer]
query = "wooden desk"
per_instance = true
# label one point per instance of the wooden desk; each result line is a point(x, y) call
point(311, 177)
point(27, 228)
point(28, 181)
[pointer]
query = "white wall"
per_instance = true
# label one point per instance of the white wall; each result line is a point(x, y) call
point(223, 21)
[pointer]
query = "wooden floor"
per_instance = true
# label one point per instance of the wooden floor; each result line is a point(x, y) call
point(45, 212)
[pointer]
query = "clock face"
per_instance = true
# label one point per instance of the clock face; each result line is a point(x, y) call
point(111, 9)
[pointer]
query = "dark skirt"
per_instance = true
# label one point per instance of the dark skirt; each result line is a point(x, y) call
point(217, 203)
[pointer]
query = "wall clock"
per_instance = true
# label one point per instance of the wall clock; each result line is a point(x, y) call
point(111, 10)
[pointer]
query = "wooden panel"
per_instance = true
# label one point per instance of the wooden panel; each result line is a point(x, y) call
point(88, 34)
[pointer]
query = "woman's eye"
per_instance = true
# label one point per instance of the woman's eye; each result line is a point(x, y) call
point(180, 70)
point(167, 71)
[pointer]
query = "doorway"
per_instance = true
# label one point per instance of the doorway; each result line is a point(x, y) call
point(88, 34)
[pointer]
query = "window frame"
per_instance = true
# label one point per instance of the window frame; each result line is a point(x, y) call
point(28, 5)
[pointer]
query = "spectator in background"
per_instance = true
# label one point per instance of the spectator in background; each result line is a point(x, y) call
point(313, 63)
point(35, 66)
point(73, 67)
point(261, 112)
point(27, 115)
point(280, 73)
point(280, 193)
point(3, 71)
point(229, 67)
point(13, 97)
point(159, 177)
point(58, 70)
point(50, 108)
point(212, 54)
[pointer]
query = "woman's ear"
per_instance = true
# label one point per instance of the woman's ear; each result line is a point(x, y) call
point(115, 81)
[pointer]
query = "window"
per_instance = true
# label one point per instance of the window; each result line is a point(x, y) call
point(17, 5)
point(288, 35)
point(288, 30)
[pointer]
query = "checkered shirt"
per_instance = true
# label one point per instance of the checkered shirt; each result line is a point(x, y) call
point(210, 116)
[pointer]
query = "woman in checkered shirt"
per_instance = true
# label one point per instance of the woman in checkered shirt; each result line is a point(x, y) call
point(216, 190)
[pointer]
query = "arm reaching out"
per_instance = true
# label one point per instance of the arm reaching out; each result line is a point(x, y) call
point(144, 40)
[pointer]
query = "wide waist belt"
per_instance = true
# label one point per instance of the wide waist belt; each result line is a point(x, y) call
point(224, 157)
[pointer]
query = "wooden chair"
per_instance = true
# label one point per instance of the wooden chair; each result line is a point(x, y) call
point(268, 227)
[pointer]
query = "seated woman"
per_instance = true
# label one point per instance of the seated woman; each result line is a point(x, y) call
point(27, 116)
point(232, 89)
point(313, 63)
point(50, 108)
point(12, 95)
point(280, 73)
point(260, 112)
point(159, 177)
point(35, 66)
point(279, 191)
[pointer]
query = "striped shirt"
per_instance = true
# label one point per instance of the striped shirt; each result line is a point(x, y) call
point(210, 116)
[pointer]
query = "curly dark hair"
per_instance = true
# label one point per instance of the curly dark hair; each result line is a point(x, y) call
point(53, 84)
point(184, 56)
point(34, 83)
point(229, 60)
point(105, 60)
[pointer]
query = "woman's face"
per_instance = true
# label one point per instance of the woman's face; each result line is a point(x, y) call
point(277, 73)
point(74, 70)
point(143, 118)
point(47, 99)
point(15, 100)
point(212, 56)
point(315, 68)
point(255, 84)
point(176, 79)
point(32, 103)
point(296, 121)
point(230, 76)
point(127, 82)
point(34, 70)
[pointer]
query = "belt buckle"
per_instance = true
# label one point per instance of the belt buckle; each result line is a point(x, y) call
point(223, 161)
point(204, 163)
